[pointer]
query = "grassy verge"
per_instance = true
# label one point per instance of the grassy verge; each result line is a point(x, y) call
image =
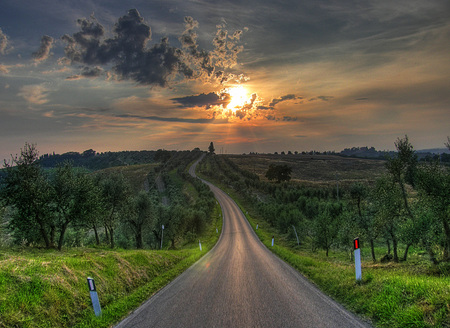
point(390, 295)
point(45, 288)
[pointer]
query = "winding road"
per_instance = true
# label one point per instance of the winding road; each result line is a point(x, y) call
point(239, 283)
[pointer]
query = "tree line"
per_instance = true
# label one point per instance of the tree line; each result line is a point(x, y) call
point(67, 205)
point(408, 206)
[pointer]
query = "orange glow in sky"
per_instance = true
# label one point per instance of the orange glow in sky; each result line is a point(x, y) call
point(239, 97)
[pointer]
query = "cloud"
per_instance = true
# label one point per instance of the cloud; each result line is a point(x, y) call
point(176, 119)
point(34, 94)
point(3, 42)
point(132, 58)
point(325, 98)
point(204, 100)
point(87, 72)
point(44, 50)
point(283, 98)
point(4, 69)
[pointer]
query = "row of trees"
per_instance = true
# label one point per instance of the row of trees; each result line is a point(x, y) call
point(409, 205)
point(42, 207)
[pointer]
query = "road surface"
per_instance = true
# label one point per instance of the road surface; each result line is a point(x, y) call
point(239, 283)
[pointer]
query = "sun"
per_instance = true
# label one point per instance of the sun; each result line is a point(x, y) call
point(239, 97)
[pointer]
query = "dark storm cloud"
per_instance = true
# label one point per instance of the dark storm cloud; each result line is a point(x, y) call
point(127, 49)
point(44, 50)
point(204, 100)
point(176, 119)
point(133, 59)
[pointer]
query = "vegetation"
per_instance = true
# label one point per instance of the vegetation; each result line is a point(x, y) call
point(114, 206)
point(279, 173)
point(47, 288)
point(401, 208)
point(398, 207)
point(49, 215)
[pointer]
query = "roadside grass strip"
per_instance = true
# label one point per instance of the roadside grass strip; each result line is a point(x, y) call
point(47, 288)
point(389, 296)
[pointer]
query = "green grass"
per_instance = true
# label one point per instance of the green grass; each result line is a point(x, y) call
point(405, 294)
point(391, 295)
point(47, 288)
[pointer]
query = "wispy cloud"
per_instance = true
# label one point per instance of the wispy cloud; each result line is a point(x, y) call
point(34, 94)
point(176, 119)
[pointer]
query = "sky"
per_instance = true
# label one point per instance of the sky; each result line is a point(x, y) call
point(250, 76)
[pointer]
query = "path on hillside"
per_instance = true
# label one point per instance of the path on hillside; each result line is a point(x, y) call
point(161, 189)
point(240, 283)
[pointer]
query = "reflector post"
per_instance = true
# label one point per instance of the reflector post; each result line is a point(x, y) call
point(356, 243)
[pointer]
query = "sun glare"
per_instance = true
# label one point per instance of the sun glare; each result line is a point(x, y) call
point(239, 97)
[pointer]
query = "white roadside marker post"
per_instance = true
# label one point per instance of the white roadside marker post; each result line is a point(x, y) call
point(94, 297)
point(273, 238)
point(200, 245)
point(162, 235)
point(357, 252)
point(295, 230)
point(257, 226)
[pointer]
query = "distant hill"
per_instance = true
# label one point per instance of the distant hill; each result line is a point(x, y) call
point(434, 151)
point(92, 160)
point(435, 154)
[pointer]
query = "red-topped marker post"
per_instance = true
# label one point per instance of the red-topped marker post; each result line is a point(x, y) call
point(357, 252)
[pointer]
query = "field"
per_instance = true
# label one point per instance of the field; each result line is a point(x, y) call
point(315, 169)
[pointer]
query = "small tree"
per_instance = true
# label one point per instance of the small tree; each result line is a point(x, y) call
point(140, 216)
point(115, 192)
point(279, 172)
point(211, 148)
point(27, 190)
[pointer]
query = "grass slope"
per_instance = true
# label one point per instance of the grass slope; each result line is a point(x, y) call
point(47, 288)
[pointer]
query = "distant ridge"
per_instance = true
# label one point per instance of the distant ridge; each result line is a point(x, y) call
point(434, 151)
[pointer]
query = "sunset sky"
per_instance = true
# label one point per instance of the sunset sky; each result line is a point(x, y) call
point(251, 76)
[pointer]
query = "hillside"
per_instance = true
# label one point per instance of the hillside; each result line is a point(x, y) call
point(315, 169)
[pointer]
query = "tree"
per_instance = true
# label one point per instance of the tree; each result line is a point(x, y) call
point(211, 148)
point(326, 226)
point(279, 172)
point(388, 202)
point(74, 199)
point(27, 190)
point(434, 193)
point(115, 192)
point(359, 193)
point(402, 170)
point(141, 215)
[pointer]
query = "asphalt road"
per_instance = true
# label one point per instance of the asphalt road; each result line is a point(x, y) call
point(240, 283)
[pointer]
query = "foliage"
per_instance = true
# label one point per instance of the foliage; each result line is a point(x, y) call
point(27, 190)
point(279, 173)
point(117, 206)
point(211, 148)
point(401, 208)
